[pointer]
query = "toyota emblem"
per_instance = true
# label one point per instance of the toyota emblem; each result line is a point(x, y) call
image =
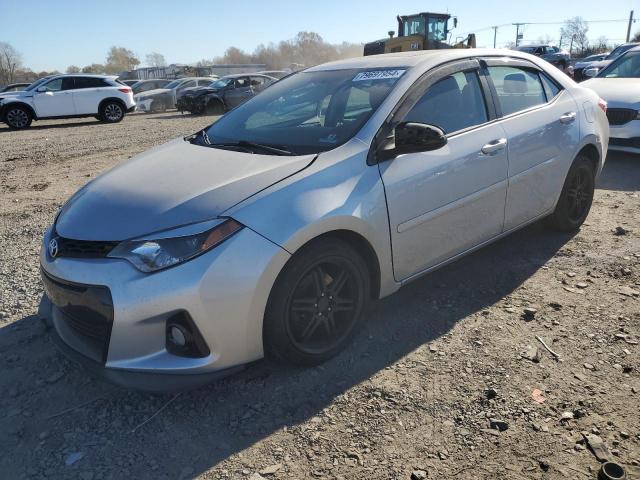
point(53, 248)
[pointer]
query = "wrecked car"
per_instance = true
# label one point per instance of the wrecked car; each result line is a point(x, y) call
point(223, 94)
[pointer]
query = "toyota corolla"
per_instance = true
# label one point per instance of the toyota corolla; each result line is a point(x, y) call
point(270, 231)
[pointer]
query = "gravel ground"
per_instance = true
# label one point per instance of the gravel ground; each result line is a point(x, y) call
point(447, 380)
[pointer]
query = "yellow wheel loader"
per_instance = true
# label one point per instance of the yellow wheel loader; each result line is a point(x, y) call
point(422, 31)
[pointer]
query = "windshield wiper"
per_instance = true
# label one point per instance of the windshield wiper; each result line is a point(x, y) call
point(250, 146)
point(202, 134)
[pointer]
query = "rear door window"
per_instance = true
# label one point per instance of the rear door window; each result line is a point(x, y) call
point(454, 103)
point(90, 82)
point(517, 88)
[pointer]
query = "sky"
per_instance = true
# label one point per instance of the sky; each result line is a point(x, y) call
point(53, 35)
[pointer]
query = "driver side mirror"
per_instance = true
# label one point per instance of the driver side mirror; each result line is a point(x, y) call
point(41, 89)
point(412, 137)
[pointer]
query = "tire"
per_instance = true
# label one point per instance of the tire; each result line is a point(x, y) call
point(576, 196)
point(158, 106)
point(111, 112)
point(18, 117)
point(317, 303)
point(215, 108)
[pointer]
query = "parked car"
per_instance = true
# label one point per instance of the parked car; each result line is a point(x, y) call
point(67, 96)
point(619, 85)
point(591, 69)
point(223, 94)
point(14, 87)
point(162, 99)
point(129, 83)
point(269, 231)
point(151, 84)
point(553, 55)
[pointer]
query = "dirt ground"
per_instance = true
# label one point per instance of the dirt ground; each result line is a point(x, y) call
point(448, 380)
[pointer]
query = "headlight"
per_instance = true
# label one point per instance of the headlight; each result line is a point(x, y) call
point(153, 254)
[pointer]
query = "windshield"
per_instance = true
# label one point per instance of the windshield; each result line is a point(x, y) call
point(627, 66)
point(619, 51)
point(308, 112)
point(36, 84)
point(223, 82)
point(527, 49)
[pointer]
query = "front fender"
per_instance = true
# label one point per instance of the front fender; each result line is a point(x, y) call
point(339, 191)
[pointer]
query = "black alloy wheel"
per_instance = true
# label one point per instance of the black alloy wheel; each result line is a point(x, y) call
point(576, 197)
point(317, 303)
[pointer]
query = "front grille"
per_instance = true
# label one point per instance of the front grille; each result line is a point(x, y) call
point(68, 247)
point(86, 315)
point(620, 116)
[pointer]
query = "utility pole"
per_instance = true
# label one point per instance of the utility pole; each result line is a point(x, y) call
point(518, 25)
point(629, 27)
point(495, 33)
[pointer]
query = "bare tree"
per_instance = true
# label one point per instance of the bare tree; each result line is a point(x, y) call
point(120, 59)
point(73, 69)
point(94, 68)
point(10, 61)
point(155, 59)
point(574, 32)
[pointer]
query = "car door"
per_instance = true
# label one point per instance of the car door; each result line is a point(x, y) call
point(444, 202)
point(88, 93)
point(241, 91)
point(540, 120)
point(55, 98)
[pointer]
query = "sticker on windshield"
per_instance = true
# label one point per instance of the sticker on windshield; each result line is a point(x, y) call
point(378, 75)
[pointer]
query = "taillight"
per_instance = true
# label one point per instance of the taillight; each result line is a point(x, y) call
point(603, 105)
point(125, 90)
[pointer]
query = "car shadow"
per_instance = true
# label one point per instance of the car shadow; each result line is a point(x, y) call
point(621, 172)
point(50, 402)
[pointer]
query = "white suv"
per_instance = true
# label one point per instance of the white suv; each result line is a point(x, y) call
point(68, 96)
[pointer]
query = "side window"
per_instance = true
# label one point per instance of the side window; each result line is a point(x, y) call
point(518, 89)
point(550, 87)
point(90, 82)
point(188, 84)
point(242, 82)
point(257, 82)
point(54, 85)
point(454, 103)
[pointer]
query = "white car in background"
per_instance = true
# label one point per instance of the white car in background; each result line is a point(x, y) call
point(619, 86)
point(67, 96)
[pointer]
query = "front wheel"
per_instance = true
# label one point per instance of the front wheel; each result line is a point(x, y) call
point(317, 303)
point(576, 196)
point(111, 112)
point(18, 117)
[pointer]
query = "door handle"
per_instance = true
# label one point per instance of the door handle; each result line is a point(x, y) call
point(495, 146)
point(568, 117)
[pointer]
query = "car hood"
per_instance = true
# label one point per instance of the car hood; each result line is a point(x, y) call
point(21, 93)
point(149, 93)
point(597, 63)
point(175, 184)
point(618, 92)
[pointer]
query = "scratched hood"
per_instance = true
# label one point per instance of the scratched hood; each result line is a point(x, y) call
point(171, 185)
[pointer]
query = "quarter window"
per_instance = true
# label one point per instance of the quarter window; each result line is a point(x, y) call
point(518, 89)
point(454, 103)
point(550, 87)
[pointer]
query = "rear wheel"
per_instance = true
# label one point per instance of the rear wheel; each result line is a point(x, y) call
point(576, 196)
point(18, 117)
point(111, 112)
point(317, 303)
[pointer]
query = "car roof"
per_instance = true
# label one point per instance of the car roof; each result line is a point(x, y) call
point(417, 57)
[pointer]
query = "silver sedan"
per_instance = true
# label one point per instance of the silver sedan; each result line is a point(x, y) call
point(271, 230)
